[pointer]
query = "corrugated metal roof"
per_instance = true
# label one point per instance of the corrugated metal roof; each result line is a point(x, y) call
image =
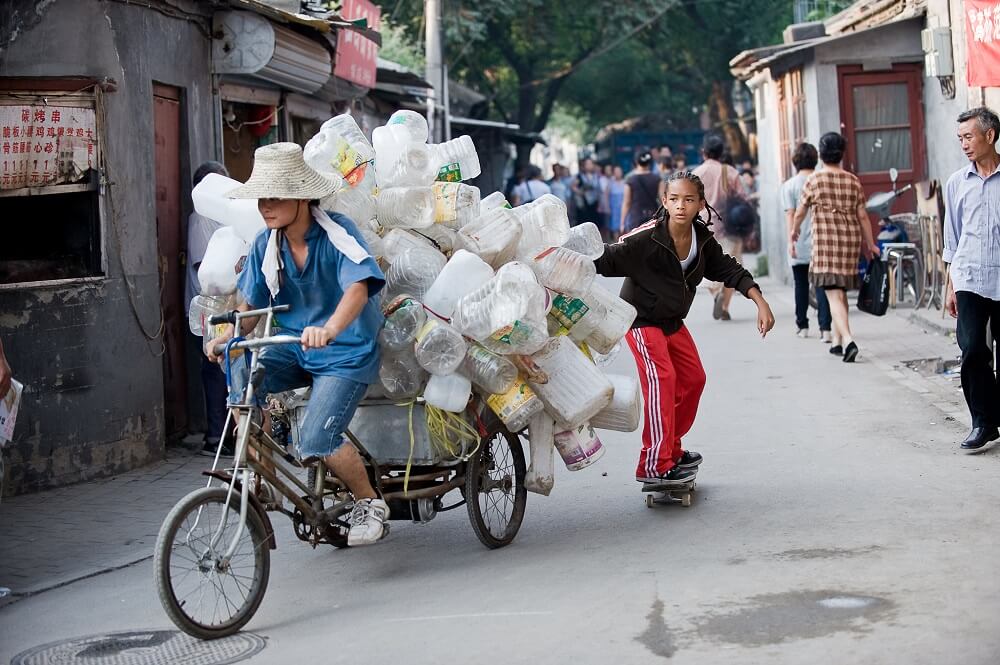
point(323, 25)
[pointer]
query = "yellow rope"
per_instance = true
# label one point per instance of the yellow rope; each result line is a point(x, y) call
point(451, 435)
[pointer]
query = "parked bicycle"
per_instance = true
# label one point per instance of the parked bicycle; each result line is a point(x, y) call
point(212, 556)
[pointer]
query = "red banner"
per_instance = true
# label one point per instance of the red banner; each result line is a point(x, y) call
point(357, 56)
point(982, 39)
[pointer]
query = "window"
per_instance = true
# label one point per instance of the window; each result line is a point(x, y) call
point(791, 117)
point(49, 164)
point(882, 127)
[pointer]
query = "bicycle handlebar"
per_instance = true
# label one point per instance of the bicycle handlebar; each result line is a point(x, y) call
point(260, 342)
point(230, 317)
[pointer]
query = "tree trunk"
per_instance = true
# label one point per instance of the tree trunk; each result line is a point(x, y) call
point(725, 116)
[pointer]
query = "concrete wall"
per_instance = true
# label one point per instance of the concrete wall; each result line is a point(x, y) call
point(94, 395)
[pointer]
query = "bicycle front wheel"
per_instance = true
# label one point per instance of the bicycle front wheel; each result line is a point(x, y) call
point(204, 594)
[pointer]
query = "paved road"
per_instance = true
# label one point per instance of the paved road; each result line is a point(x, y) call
point(834, 523)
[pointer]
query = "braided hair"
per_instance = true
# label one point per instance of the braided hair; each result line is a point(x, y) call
point(689, 176)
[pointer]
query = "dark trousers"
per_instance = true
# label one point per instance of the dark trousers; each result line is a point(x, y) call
point(213, 381)
point(979, 379)
point(801, 275)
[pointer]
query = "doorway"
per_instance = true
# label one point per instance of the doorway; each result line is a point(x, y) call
point(170, 243)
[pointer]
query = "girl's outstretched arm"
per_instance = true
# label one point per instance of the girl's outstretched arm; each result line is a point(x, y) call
point(765, 318)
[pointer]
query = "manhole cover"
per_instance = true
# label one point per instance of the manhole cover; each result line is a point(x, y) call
point(151, 647)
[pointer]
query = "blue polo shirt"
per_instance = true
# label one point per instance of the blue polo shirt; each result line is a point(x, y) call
point(313, 295)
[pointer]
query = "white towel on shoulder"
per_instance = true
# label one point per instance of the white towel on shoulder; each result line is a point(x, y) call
point(338, 235)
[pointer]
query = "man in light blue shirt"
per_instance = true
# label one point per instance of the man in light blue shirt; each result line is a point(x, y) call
point(972, 250)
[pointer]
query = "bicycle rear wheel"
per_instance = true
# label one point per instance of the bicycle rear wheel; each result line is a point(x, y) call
point(494, 489)
point(203, 594)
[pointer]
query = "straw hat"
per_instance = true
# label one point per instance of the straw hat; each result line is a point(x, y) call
point(280, 172)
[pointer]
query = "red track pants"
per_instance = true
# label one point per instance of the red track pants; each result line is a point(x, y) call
point(672, 381)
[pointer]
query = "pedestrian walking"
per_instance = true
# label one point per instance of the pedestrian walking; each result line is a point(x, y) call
point(604, 203)
point(532, 187)
point(972, 252)
point(804, 159)
point(722, 182)
point(840, 229)
point(661, 285)
point(639, 201)
point(587, 192)
point(213, 381)
point(616, 198)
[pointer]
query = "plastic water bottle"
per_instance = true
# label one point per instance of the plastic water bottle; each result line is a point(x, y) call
point(516, 406)
point(585, 239)
point(449, 392)
point(387, 152)
point(455, 204)
point(218, 270)
point(440, 348)
point(624, 412)
point(356, 203)
point(579, 447)
point(507, 314)
point(396, 241)
point(342, 148)
point(576, 389)
point(493, 237)
point(408, 127)
point(542, 226)
point(457, 160)
point(203, 308)
point(405, 207)
point(494, 200)
point(489, 371)
point(402, 376)
point(241, 215)
point(373, 241)
point(465, 272)
point(413, 272)
point(574, 317)
point(616, 321)
point(412, 168)
point(564, 270)
point(404, 317)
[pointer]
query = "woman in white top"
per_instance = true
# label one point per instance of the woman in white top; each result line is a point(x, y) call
point(532, 188)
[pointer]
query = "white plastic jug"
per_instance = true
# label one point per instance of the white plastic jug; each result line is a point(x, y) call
point(457, 159)
point(340, 147)
point(455, 204)
point(218, 271)
point(506, 314)
point(617, 319)
point(449, 392)
point(624, 412)
point(576, 389)
point(413, 168)
point(408, 127)
point(494, 200)
point(387, 152)
point(579, 447)
point(541, 475)
point(586, 239)
point(574, 316)
point(210, 201)
point(413, 272)
point(543, 226)
point(396, 241)
point(564, 270)
point(356, 203)
point(493, 237)
point(405, 207)
point(442, 236)
point(465, 272)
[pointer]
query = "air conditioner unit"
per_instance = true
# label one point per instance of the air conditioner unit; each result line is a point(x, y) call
point(936, 44)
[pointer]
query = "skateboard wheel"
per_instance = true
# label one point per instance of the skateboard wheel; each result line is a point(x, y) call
point(649, 500)
point(686, 500)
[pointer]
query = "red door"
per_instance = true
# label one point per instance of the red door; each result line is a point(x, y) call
point(883, 121)
point(170, 245)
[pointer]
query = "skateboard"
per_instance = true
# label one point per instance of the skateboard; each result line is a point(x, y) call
point(657, 494)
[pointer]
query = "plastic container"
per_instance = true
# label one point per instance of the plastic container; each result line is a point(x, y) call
point(493, 201)
point(372, 240)
point(404, 317)
point(586, 239)
point(202, 308)
point(342, 148)
point(402, 376)
point(449, 392)
point(455, 204)
point(579, 447)
point(405, 207)
point(441, 237)
point(616, 321)
point(564, 270)
point(408, 127)
point(387, 152)
point(397, 241)
point(456, 160)
point(489, 371)
point(219, 268)
point(413, 272)
point(624, 412)
point(356, 203)
point(440, 349)
point(543, 226)
point(516, 406)
point(576, 389)
point(464, 273)
point(493, 237)
point(411, 168)
point(241, 215)
point(574, 316)
point(507, 314)
point(541, 476)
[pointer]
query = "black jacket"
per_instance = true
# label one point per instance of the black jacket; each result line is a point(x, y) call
point(656, 285)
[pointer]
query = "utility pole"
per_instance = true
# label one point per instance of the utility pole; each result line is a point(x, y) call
point(435, 71)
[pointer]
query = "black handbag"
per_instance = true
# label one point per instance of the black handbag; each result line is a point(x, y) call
point(874, 294)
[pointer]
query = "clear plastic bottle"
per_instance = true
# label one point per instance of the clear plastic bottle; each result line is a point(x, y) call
point(507, 314)
point(516, 407)
point(402, 376)
point(457, 159)
point(542, 226)
point(464, 273)
point(575, 316)
point(405, 207)
point(357, 203)
point(448, 392)
point(494, 200)
point(493, 237)
point(616, 321)
point(413, 168)
point(373, 241)
point(340, 147)
point(564, 270)
point(404, 317)
point(203, 308)
point(455, 204)
point(217, 272)
point(576, 389)
point(387, 152)
point(440, 348)
point(408, 127)
point(413, 272)
point(396, 241)
point(585, 239)
point(441, 237)
point(489, 371)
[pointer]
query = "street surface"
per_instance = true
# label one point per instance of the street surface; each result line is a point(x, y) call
point(834, 522)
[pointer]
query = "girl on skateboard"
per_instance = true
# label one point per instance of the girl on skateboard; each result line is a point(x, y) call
point(662, 262)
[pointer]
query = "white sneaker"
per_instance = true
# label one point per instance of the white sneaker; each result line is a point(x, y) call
point(802, 332)
point(825, 336)
point(367, 522)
